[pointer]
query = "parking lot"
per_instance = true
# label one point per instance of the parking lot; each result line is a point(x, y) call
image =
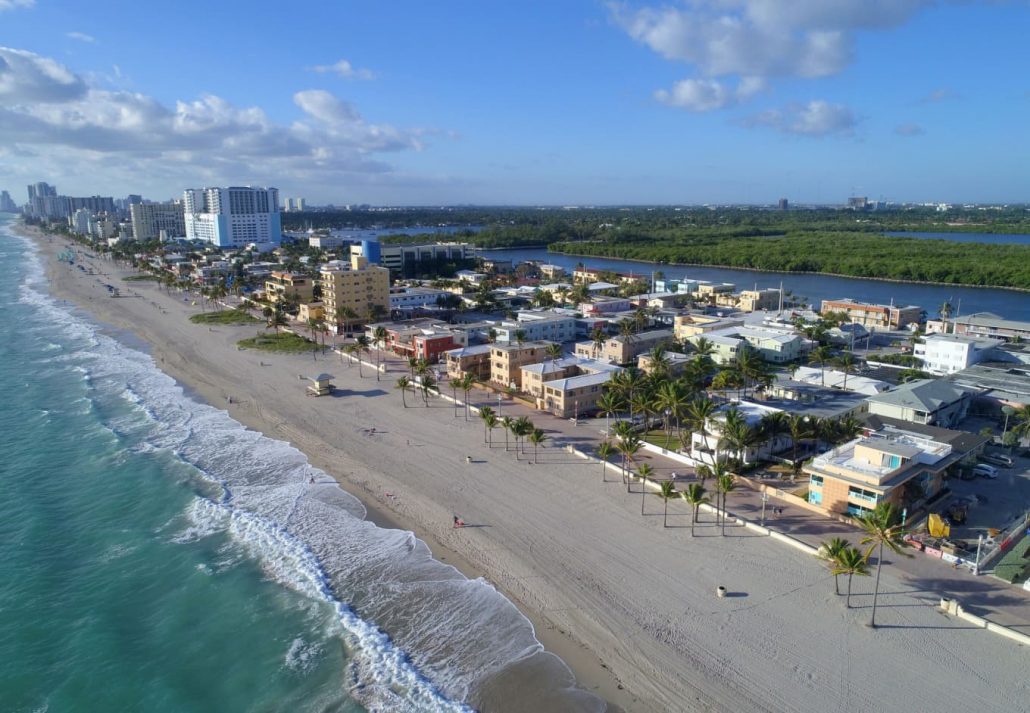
point(990, 502)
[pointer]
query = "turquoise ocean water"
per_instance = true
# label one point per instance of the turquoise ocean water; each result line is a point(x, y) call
point(156, 556)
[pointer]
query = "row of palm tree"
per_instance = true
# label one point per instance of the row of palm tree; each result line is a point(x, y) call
point(521, 430)
point(881, 530)
point(628, 445)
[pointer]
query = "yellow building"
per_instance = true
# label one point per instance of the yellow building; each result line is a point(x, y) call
point(287, 285)
point(507, 360)
point(311, 310)
point(359, 287)
point(691, 325)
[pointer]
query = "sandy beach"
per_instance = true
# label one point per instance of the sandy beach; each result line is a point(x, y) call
point(627, 604)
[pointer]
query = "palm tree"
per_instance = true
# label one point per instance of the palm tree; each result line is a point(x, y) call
point(360, 347)
point(403, 383)
point(1021, 422)
point(668, 491)
point(846, 362)
point(831, 551)
point(695, 497)
point(521, 428)
point(455, 384)
point(644, 472)
point(703, 347)
point(487, 415)
point(536, 437)
point(604, 452)
point(628, 447)
point(467, 382)
point(520, 336)
point(700, 412)
point(379, 336)
point(774, 425)
point(344, 316)
point(276, 318)
point(508, 424)
point(799, 428)
point(428, 382)
point(724, 485)
point(553, 351)
point(820, 355)
point(609, 404)
point(851, 562)
point(882, 530)
point(598, 337)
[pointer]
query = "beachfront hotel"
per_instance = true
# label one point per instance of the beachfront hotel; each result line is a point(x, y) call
point(233, 217)
point(359, 287)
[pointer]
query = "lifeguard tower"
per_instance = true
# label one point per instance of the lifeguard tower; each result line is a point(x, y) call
point(320, 385)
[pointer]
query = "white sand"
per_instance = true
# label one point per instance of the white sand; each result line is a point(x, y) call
point(634, 603)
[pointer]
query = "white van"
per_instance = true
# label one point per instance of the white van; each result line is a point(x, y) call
point(983, 470)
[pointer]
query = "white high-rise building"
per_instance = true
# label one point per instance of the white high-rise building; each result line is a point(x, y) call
point(149, 219)
point(79, 221)
point(233, 217)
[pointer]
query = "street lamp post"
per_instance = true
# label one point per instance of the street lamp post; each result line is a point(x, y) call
point(498, 405)
point(765, 499)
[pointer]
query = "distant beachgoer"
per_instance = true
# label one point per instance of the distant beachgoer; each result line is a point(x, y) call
point(458, 522)
point(311, 480)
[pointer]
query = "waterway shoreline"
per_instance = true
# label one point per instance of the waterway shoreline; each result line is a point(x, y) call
point(797, 272)
point(1022, 290)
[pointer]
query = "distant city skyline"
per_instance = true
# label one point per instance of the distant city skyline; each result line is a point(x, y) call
point(580, 103)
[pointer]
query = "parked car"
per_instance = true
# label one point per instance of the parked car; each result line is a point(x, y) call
point(983, 470)
point(997, 459)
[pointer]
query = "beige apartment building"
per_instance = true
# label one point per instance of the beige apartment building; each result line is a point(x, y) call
point(286, 285)
point(692, 325)
point(473, 360)
point(624, 350)
point(361, 287)
point(507, 360)
point(874, 316)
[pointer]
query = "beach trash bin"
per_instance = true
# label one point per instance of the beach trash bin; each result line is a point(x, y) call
point(720, 591)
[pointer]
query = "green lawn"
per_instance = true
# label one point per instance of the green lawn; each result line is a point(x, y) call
point(141, 278)
point(658, 438)
point(1015, 565)
point(284, 342)
point(226, 316)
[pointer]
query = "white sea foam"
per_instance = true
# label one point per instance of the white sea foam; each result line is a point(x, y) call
point(446, 632)
point(302, 655)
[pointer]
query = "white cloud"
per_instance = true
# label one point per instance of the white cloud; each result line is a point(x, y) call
point(344, 69)
point(755, 40)
point(695, 95)
point(27, 77)
point(13, 4)
point(816, 118)
point(81, 37)
point(708, 94)
point(909, 130)
point(60, 117)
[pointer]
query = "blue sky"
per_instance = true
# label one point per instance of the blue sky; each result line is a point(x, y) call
point(521, 103)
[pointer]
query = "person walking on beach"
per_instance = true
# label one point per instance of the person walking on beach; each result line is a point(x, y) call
point(458, 522)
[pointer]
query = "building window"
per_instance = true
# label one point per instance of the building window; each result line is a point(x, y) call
point(816, 480)
point(815, 497)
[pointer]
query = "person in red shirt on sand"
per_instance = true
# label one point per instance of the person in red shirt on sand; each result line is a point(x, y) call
point(458, 522)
